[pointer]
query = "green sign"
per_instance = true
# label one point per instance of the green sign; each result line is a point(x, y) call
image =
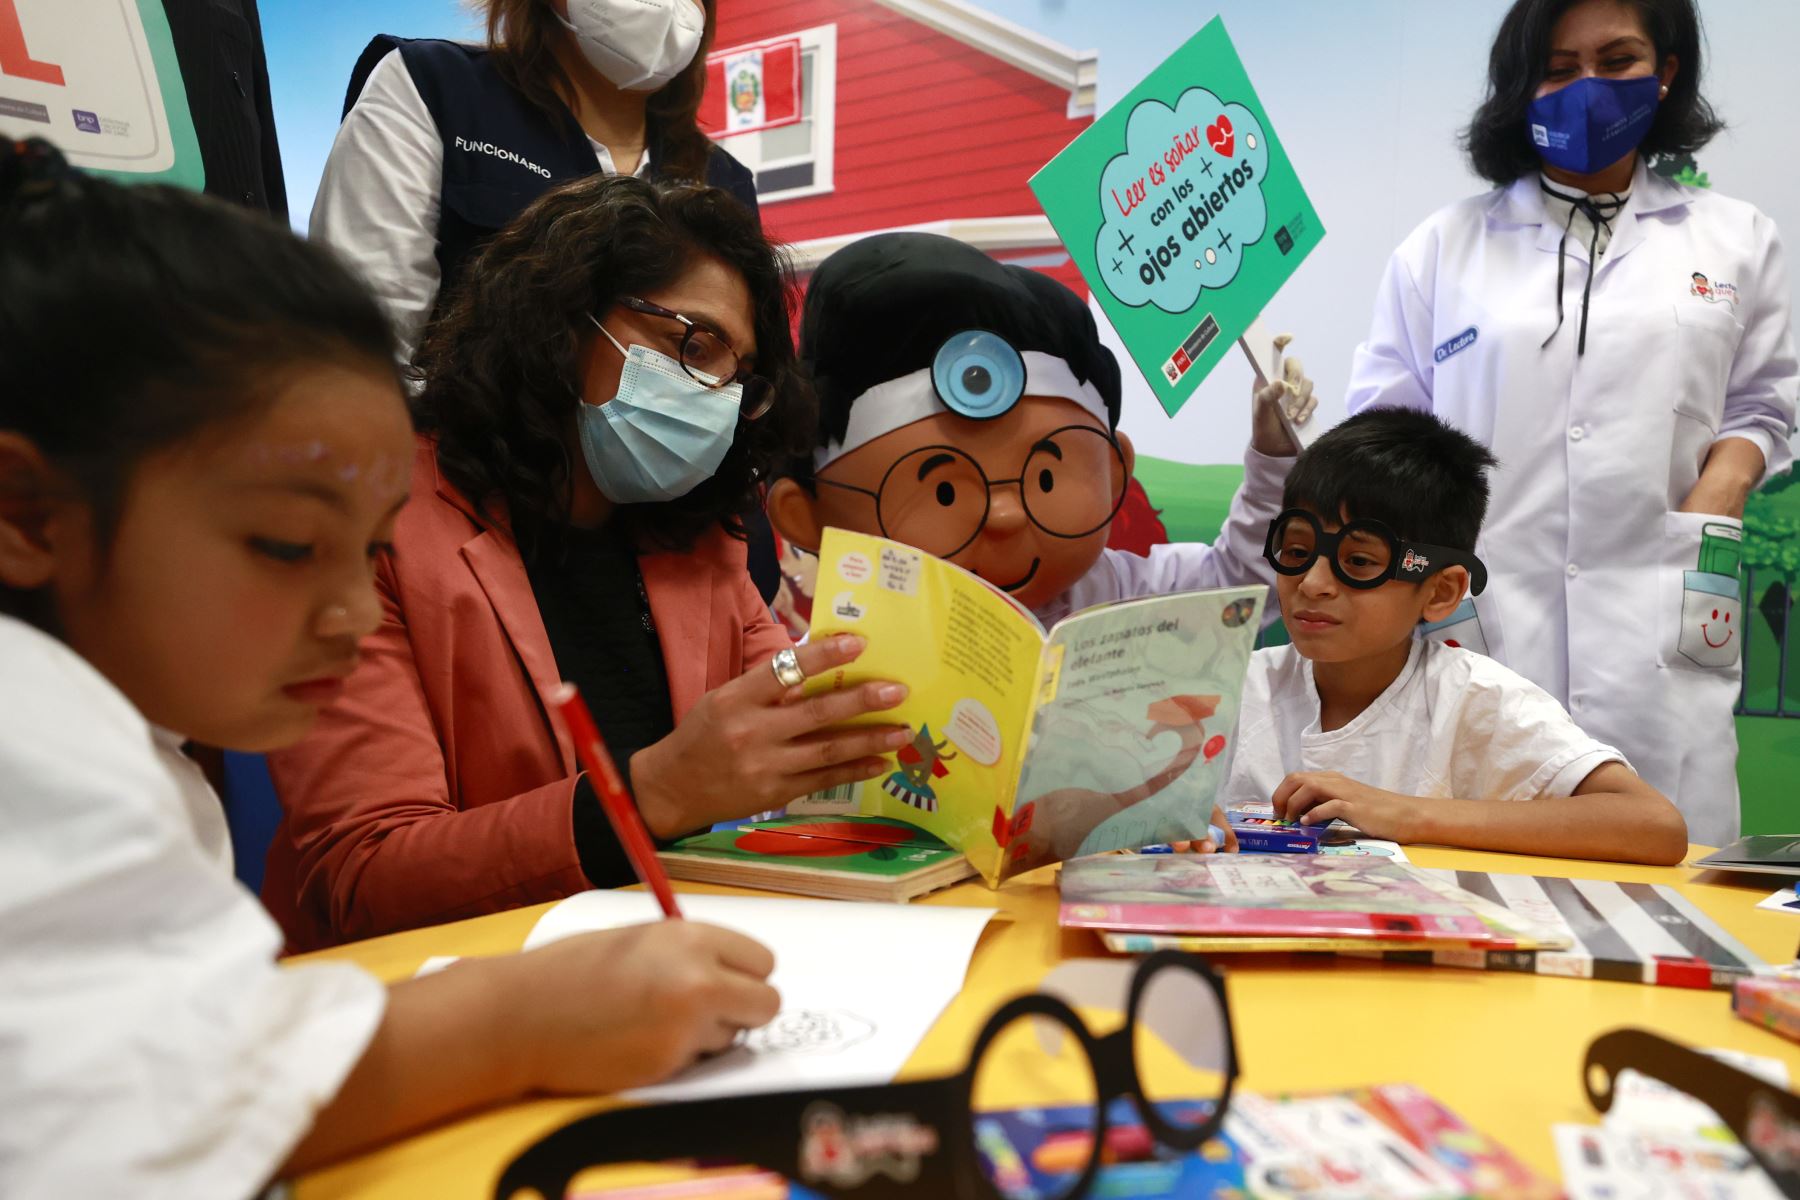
point(100, 80)
point(1182, 212)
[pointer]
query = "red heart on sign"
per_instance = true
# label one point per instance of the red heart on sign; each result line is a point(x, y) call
point(1219, 135)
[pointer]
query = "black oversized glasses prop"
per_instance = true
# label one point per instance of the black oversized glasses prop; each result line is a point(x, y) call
point(1174, 1058)
point(1362, 554)
point(1765, 1118)
point(937, 498)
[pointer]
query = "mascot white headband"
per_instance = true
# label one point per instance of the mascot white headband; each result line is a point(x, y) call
point(975, 374)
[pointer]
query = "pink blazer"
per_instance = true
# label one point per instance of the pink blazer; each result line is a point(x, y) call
point(437, 787)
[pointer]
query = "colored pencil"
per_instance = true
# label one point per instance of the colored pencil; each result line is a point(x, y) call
point(620, 810)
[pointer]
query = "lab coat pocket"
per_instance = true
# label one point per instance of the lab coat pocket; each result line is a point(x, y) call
point(1706, 339)
point(1701, 599)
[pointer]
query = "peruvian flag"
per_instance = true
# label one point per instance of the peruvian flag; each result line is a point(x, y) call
point(751, 87)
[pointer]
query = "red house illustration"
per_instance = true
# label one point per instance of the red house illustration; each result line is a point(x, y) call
point(860, 116)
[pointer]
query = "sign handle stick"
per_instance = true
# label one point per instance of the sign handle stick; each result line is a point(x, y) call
point(1264, 353)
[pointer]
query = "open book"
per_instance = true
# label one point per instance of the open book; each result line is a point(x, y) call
point(1107, 732)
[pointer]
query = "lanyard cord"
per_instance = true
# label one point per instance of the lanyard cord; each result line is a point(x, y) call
point(1599, 212)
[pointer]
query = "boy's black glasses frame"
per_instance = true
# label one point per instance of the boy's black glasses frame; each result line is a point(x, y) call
point(903, 1139)
point(1412, 562)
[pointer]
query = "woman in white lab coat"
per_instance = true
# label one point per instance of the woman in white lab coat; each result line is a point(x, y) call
point(1622, 343)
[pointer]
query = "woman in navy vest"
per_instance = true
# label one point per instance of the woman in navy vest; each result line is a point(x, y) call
point(443, 144)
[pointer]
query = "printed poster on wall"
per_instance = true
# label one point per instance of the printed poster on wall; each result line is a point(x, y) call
point(100, 80)
point(1182, 213)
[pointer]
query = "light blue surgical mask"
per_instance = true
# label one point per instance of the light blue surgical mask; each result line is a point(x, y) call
point(662, 435)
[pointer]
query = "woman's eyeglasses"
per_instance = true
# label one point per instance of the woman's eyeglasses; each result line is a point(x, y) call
point(709, 359)
point(937, 498)
point(1363, 554)
point(1171, 1064)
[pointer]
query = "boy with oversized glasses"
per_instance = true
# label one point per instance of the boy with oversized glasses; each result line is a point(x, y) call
point(1407, 738)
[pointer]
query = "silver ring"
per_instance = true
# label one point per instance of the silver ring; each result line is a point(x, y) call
point(786, 665)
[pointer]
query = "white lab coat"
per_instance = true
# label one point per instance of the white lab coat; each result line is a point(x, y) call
point(1598, 590)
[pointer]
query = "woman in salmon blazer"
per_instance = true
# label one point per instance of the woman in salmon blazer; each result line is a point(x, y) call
point(598, 404)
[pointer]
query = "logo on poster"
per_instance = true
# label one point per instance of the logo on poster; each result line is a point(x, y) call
point(86, 122)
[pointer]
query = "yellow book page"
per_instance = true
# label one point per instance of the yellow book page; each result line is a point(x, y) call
point(969, 658)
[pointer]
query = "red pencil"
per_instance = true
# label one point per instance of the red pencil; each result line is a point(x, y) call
point(626, 821)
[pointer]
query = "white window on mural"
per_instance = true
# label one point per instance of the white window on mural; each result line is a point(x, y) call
point(773, 105)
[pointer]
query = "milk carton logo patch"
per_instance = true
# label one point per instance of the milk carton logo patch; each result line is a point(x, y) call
point(1457, 344)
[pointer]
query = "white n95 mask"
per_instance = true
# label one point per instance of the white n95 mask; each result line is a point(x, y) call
point(640, 45)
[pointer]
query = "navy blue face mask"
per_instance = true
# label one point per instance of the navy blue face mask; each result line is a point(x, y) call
point(1593, 123)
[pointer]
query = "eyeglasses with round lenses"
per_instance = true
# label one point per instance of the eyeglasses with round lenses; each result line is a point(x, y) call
point(937, 498)
point(709, 359)
point(1362, 553)
point(1160, 1059)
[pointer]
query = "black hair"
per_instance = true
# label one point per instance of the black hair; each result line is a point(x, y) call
point(133, 318)
point(1497, 141)
point(501, 361)
point(1402, 467)
point(880, 307)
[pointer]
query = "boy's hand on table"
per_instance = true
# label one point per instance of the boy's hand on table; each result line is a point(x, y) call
point(1315, 797)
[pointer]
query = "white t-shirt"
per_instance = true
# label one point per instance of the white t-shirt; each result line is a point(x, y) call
point(1453, 724)
point(1233, 559)
point(379, 197)
point(149, 1045)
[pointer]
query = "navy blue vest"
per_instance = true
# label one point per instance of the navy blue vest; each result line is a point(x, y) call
point(501, 151)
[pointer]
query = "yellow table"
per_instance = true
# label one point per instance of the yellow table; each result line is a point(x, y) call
point(1503, 1050)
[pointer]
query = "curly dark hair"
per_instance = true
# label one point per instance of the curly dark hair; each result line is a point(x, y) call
point(522, 35)
point(501, 361)
point(1496, 140)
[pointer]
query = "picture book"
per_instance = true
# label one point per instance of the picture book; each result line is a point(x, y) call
point(1265, 898)
point(1107, 732)
point(1636, 932)
point(1387, 1141)
point(836, 858)
point(1763, 854)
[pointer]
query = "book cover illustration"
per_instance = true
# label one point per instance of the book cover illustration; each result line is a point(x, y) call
point(866, 845)
point(833, 857)
point(1109, 731)
point(1282, 896)
point(1391, 1140)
